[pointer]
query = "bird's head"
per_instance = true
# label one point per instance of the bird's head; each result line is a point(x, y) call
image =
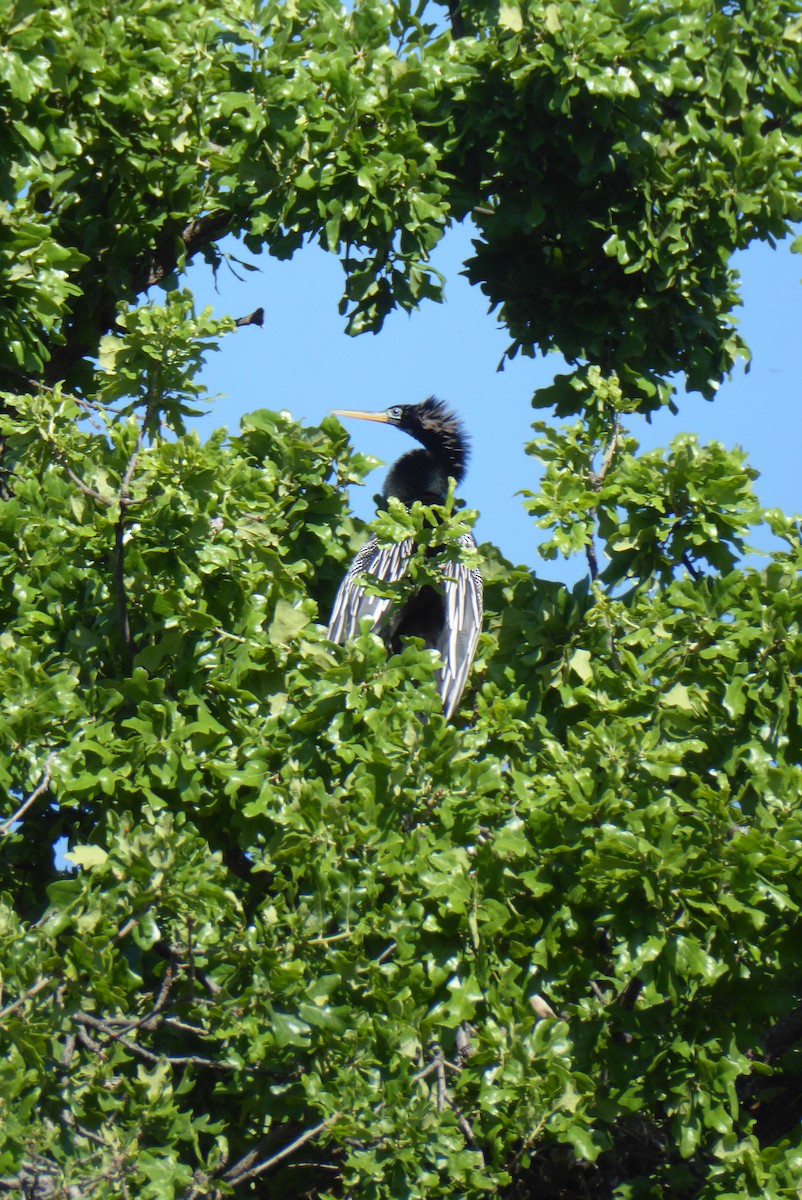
point(430, 423)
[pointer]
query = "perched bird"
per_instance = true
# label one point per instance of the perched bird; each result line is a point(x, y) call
point(449, 619)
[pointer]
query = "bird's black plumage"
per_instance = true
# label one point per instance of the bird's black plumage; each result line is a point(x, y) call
point(448, 620)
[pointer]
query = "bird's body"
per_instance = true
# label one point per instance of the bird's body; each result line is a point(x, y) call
point(449, 619)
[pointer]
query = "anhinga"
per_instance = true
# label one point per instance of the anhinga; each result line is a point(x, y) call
point(449, 620)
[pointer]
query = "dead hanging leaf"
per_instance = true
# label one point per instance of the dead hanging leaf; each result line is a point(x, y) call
point(542, 1008)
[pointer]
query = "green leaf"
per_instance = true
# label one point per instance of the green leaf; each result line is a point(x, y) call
point(678, 697)
point(287, 622)
point(87, 856)
point(510, 17)
point(580, 664)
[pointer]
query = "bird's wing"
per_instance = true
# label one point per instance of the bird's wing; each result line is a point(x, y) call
point(463, 624)
point(385, 563)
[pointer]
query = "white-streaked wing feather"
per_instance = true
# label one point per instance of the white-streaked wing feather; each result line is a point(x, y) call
point(462, 593)
point(463, 624)
point(386, 563)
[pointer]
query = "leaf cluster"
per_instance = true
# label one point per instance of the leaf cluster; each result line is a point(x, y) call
point(620, 153)
point(287, 912)
point(268, 924)
point(612, 156)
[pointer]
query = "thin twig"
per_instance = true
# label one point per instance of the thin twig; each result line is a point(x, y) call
point(107, 501)
point(442, 1093)
point(146, 1022)
point(690, 568)
point(90, 1044)
point(463, 1123)
point(185, 1027)
point(190, 957)
point(84, 487)
point(590, 555)
point(331, 939)
point(211, 985)
point(42, 982)
point(68, 1051)
point(41, 786)
point(237, 1174)
point(596, 479)
point(435, 1065)
point(126, 928)
point(175, 1060)
point(129, 648)
point(36, 385)
point(425, 1071)
point(94, 1137)
point(120, 592)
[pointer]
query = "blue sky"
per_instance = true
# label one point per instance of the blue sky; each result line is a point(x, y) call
point(302, 361)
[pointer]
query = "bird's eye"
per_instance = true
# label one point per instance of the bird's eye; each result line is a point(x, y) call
point(395, 412)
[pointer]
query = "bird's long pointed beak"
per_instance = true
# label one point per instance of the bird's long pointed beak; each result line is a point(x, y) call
point(363, 416)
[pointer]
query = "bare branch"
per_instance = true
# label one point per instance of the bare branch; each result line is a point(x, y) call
point(425, 1071)
point(456, 19)
point(462, 1042)
point(442, 1093)
point(385, 954)
point(463, 1123)
point(42, 982)
point(41, 786)
point(90, 1044)
point(198, 234)
point(84, 487)
point(108, 501)
point(243, 1171)
point(68, 1051)
point(129, 646)
point(120, 592)
point(590, 555)
point(126, 928)
point(257, 317)
point(690, 568)
point(596, 479)
point(594, 987)
point(126, 1024)
point(185, 1027)
point(105, 1025)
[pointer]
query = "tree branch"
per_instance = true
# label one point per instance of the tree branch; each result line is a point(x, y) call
point(129, 646)
point(126, 1024)
point(784, 1034)
point(590, 555)
point(84, 331)
point(195, 236)
point(121, 595)
point(596, 479)
point(41, 983)
point(257, 317)
point(104, 1025)
point(456, 19)
point(247, 1168)
point(41, 787)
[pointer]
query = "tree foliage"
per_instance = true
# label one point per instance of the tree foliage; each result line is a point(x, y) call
point(268, 924)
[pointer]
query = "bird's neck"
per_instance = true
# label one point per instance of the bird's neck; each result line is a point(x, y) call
point(422, 475)
point(446, 445)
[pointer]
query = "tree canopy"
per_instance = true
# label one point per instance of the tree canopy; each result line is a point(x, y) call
point(269, 925)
